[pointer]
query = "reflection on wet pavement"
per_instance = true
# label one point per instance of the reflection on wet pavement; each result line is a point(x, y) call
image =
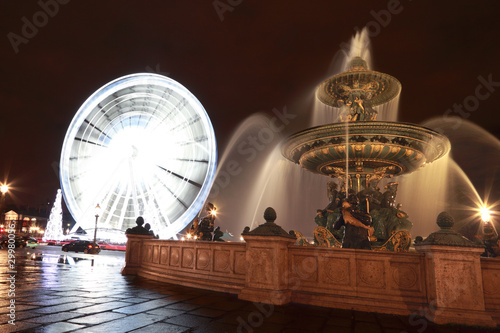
point(68, 259)
point(55, 259)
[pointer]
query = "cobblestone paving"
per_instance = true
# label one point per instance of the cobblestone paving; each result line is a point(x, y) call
point(76, 297)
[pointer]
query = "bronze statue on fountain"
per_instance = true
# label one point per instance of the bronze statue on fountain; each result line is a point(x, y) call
point(360, 152)
point(207, 223)
point(375, 213)
point(204, 229)
point(358, 229)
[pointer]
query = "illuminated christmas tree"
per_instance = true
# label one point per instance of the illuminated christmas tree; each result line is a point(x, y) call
point(54, 229)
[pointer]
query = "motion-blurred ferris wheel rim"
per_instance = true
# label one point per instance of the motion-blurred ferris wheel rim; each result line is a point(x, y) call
point(140, 145)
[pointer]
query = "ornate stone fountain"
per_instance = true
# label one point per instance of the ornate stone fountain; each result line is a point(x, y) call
point(445, 277)
point(361, 151)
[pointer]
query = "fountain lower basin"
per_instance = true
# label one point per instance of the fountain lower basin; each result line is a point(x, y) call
point(379, 148)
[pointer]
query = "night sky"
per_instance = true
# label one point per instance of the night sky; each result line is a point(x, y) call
point(237, 56)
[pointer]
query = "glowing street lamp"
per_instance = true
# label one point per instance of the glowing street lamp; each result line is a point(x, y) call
point(97, 212)
point(4, 189)
point(485, 214)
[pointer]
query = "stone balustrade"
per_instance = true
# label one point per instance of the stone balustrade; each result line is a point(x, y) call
point(446, 284)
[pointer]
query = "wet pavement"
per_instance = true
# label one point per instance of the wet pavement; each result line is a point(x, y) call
point(86, 293)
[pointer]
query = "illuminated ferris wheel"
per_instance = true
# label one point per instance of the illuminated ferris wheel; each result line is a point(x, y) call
point(142, 145)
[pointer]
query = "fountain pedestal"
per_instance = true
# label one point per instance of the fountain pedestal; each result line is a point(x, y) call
point(454, 279)
point(267, 278)
point(454, 285)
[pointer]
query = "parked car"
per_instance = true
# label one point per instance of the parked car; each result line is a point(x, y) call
point(3, 241)
point(19, 242)
point(30, 242)
point(82, 246)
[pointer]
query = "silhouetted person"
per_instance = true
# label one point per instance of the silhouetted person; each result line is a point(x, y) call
point(147, 226)
point(138, 229)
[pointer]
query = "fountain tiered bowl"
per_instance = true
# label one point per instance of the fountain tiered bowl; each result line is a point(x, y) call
point(371, 147)
point(359, 146)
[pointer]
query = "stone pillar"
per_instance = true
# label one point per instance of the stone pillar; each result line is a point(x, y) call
point(133, 254)
point(267, 277)
point(453, 277)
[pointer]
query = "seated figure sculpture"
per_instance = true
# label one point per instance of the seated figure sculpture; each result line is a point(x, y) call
point(333, 195)
point(357, 225)
point(217, 235)
point(206, 226)
point(389, 196)
point(370, 198)
point(147, 226)
point(332, 210)
point(138, 229)
point(491, 241)
point(401, 221)
point(193, 231)
point(390, 217)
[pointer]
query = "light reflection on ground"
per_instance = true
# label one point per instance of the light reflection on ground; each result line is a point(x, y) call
point(56, 259)
point(54, 255)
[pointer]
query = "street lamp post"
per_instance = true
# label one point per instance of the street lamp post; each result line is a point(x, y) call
point(4, 189)
point(97, 212)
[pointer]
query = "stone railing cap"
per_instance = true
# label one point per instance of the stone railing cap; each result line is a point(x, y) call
point(447, 236)
point(269, 228)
